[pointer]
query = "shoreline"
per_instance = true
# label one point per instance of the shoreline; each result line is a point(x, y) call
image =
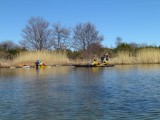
point(30, 66)
point(71, 65)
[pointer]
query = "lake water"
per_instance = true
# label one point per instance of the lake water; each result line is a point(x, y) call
point(126, 92)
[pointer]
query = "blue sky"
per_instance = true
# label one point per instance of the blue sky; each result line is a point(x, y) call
point(132, 20)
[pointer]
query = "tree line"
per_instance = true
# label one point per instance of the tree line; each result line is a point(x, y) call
point(38, 34)
point(82, 41)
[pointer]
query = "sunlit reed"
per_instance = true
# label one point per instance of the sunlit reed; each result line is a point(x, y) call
point(50, 58)
point(148, 56)
point(143, 56)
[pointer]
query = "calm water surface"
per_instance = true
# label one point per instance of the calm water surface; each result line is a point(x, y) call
point(69, 93)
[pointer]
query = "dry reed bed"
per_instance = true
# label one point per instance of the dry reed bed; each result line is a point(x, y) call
point(49, 57)
point(148, 56)
point(5, 63)
point(143, 56)
point(123, 57)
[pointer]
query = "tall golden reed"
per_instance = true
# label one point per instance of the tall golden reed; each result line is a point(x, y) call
point(5, 63)
point(143, 56)
point(148, 56)
point(49, 57)
point(123, 57)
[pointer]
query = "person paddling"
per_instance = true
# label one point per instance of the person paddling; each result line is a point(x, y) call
point(95, 62)
point(36, 64)
point(107, 58)
point(42, 63)
point(102, 58)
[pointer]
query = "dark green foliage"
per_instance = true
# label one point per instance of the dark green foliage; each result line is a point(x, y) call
point(8, 50)
point(74, 54)
point(131, 48)
point(124, 47)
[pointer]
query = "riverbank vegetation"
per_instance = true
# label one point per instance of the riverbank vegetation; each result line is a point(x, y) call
point(60, 45)
point(141, 56)
point(49, 58)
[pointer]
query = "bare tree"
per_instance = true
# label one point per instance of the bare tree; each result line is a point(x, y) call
point(61, 37)
point(94, 50)
point(118, 41)
point(84, 36)
point(36, 34)
point(133, 45)
point(8, 45)
point(8, 49)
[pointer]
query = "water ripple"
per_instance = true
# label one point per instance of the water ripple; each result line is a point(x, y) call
point(118, 93)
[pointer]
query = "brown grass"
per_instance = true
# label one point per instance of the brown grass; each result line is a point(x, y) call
point(5, 63)
point(50, 58)
point(143, 56)
point(123, 57)
point(148, 56)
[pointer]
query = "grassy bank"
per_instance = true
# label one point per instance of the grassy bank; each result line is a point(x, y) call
point(142, 56)
point(5, 63)
point(50, 58)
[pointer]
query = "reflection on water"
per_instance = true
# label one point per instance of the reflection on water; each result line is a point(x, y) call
point(120, 92)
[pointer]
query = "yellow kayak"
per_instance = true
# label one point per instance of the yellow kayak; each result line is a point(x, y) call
point(42, 66)
point(88, 65)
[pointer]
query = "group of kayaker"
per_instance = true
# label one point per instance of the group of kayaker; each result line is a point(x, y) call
point(39, 63)
point(104, 59)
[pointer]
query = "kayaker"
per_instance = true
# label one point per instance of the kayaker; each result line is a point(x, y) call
point(42, 63)
point(102, 58)
point(107, 57)
point(36, 63)
point(95, 62)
